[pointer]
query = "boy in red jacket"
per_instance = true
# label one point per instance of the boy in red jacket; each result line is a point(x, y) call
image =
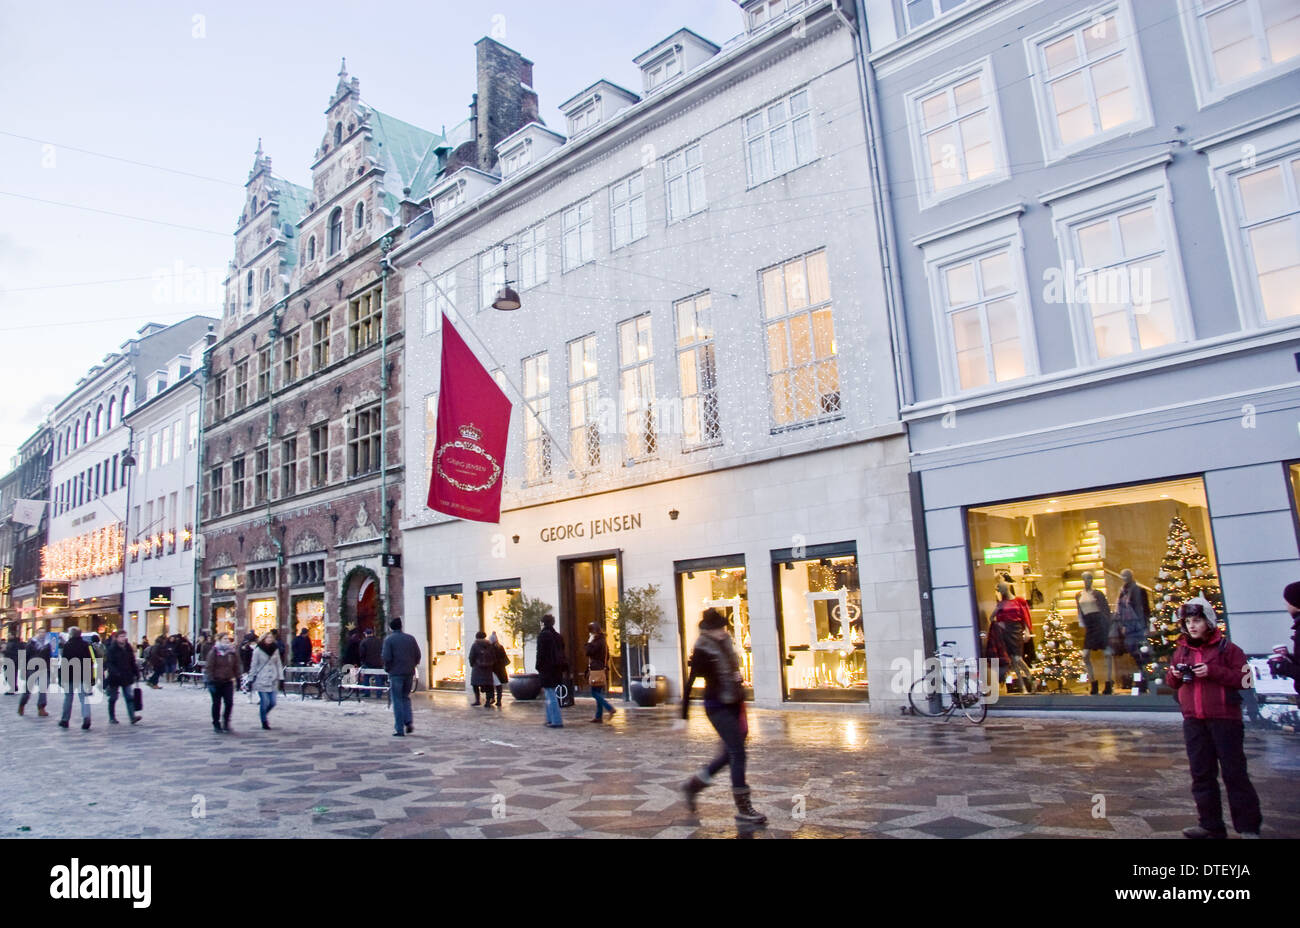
point(1208, 672)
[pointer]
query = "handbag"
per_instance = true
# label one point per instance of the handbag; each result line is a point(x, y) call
point(137, 699)
point(596, 677)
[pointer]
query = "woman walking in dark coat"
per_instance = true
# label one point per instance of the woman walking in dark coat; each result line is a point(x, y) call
point(37, 673)
point(714, 660)
point(221, 672)
point(481, 657)
point(598, 670)
point(159, 656)
point(500, 666)
point(120, 675)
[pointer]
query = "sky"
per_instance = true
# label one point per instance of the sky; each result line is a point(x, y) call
point(128, 129)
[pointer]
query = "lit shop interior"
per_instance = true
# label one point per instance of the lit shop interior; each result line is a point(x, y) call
point(444, 620)
point(819, 612)
point(717, 583)
point(309, 613)
point(1067, 559)
point(493, 597)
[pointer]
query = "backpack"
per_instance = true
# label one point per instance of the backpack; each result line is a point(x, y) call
point(487, 657)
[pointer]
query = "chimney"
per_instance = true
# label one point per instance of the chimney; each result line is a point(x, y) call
point(505, 102)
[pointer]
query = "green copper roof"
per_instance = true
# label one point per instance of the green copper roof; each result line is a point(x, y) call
point(405, 146)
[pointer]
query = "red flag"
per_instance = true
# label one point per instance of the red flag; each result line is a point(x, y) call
point(473, 426)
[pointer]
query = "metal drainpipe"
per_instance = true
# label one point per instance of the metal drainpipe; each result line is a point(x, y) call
point(385, 244)
point(276, 318)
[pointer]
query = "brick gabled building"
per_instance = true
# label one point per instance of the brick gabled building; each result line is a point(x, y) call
point(302, 457)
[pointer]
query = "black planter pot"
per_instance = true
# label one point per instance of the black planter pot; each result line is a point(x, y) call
point(653, 695)
point(525, 686)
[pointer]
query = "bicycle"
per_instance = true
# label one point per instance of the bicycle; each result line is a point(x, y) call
point(958, 679)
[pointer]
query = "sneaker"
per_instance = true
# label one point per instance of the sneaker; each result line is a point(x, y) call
point(135, 720)
point(62, 724)
point(85, 724)
point(216, 726)
point(597, 720)
point(1197, 833)
point(399, 734)
point(114, 722)
point(410, 728)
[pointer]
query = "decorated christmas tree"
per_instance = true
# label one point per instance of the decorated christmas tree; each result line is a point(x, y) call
point(1059, 660)
point(1184, 574)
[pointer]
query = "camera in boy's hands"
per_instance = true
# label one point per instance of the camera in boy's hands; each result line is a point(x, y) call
point(1185, 672)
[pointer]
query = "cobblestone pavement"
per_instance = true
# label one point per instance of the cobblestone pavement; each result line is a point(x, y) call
point(328, 770)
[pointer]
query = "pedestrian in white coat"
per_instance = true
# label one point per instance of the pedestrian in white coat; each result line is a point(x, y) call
point(265, 673)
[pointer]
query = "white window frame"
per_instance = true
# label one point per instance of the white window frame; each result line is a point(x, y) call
point(578, 388)
point(927, 196)
point(666, 68)
point(585, 256)
point(640, 428)
point(1208, 90)
point(517, 158)
point(532, 259)
point(433, 302)
point(537, 438)
point(1053, 150)
point(1149, 187)
point(693, 349)
point(760, 16)
point(784, 318)
point(585, 117)
point(686, 175)
point(936, 10)
point(623, 215)
point(491, 275)
point(447, 202)
point(747, 136)
point(1229, 157)
point(961, 246)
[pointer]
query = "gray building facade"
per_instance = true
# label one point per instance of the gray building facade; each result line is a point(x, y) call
point(1093, 210)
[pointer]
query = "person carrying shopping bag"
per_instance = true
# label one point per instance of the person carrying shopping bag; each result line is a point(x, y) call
point(598, 670)
point(265, 672)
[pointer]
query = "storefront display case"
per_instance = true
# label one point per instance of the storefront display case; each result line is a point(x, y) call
point(819, 614)
point(717, 583)
point(309, 613)
point(444, 629)
point(491, 603)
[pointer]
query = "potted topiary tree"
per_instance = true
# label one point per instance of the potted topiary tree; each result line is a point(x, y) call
point(522, 618)
point(638, 617)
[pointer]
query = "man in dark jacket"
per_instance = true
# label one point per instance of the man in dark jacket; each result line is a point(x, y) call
point(120, 674)
point(12, 647)
point(551, 664)
point(37, 675)
point(400, 654)
point(246, 650)
point(76, 674)
point(372, 656)
point(352, 650)
point(221, 673)
point(302, 648)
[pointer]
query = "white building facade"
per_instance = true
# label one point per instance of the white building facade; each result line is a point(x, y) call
point(706, 356)
point(163, 507)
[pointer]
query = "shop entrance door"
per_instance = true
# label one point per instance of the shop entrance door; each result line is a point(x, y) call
point(589, 586)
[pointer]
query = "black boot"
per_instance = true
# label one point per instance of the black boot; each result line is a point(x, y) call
point(692, 787)
point(1110, 688)
point(1092, 690)
point(499, 697)
point(746, 814)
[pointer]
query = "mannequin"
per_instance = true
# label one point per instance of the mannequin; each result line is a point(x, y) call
point(1010, 625)
point(1128, 627)
point(1094, 616)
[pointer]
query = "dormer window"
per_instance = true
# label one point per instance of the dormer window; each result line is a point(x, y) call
point(517, 159)
point(585, 118)
point(662, 71)
point(449, 201)
point(770, 10)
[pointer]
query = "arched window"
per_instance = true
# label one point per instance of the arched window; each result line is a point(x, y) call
point(249, 287)
point(254, 206)
point(336, 230)
point(338, 134)
point(359, 218)
point(67, 441)
point(76, 435)
point(126, 396)
point(112, 404)
point(311, 248)
point(85, 432)
point(266, 280)
point(58, 447)
point(99, 420)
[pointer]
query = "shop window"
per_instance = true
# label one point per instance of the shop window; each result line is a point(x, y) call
point(716, 584)
point(262, 616)
point(1294, 471)
point(490, 604)
point(445, 615)
point(309, 613)
point(364, 319)
point(223, 618)
point(819, 603)
point(1065, 556)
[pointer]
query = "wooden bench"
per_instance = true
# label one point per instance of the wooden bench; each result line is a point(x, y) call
point(350, 686)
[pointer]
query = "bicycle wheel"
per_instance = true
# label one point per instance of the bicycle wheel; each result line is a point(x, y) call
point(922, 702)
point(971, 701)
point(332, 686)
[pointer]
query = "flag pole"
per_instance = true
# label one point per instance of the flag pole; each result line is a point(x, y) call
point(451, 304)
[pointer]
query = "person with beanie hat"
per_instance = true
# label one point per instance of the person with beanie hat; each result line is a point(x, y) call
point(714, 660)
point(1283, 662)
point(1208, 673)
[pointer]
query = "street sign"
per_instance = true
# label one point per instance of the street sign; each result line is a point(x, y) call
point(55, 594)
point(160, 596)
